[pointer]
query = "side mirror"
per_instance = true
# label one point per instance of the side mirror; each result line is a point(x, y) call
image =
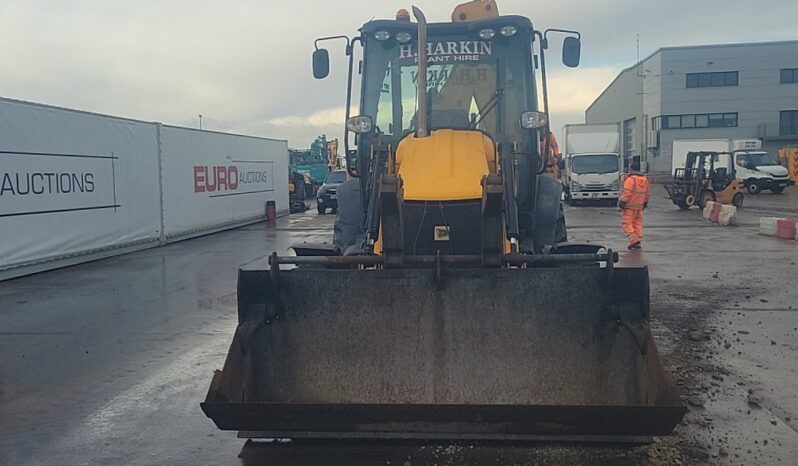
point(321, 63)
point(360, 124)
point(571, 52)
point(561, 164)
point(534, 120)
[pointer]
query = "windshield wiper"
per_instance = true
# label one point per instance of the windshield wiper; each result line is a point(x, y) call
point(493, 102)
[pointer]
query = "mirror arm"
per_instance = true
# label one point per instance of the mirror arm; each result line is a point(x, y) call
point(564, 31)
point(350, 45)
point(544, 156)
point(323, 39)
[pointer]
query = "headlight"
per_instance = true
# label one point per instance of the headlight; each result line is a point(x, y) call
point(615, 185)
point(575, 186)
point(534, 120)
point(403, 37)
point(487, 33)
point(359, 124)
point(382, 35)
point(508, 31)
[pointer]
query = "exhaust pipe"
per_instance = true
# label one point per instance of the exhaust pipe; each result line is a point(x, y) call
point(422, 130)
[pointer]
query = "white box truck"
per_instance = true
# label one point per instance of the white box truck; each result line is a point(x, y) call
point(758, 169)
point(592, 165)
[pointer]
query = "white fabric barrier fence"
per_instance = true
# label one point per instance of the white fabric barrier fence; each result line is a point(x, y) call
point(214, 179)
point(78, 186)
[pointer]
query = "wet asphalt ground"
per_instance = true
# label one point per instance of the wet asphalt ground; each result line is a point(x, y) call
point(107, 362)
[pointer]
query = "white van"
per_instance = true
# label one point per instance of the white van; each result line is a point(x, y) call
point(760, 171)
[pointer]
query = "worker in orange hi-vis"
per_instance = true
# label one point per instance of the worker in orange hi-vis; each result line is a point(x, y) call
point(549, 141)
point(634, 199)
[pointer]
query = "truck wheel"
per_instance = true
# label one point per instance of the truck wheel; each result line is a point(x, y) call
point(737, 200)
point(753, 187)
point(322, 210)
point(777, 190)
point(683, 205)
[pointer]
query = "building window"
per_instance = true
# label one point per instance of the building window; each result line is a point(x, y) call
point(674, 121)
point(716, 79)
point(716, 120)
point(788, 123)
point(705, 120)
point(629, 137)
point(656, 123)
point(789, 75)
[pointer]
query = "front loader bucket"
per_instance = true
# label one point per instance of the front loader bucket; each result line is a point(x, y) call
point(510, 353)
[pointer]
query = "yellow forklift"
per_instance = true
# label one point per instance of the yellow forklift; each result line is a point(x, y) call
point(706, 176)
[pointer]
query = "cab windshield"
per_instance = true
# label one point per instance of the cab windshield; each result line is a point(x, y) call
point(594, 163)
point(472, 84)
point(760, 159)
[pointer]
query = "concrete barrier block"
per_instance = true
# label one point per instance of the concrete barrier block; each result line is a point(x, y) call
point(784, 228)
point(727, 215)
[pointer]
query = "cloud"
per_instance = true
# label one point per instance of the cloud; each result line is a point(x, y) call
point(572, 91)
point(245, 65)
point(321, 119)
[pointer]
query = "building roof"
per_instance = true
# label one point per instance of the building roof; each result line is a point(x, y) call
point(688, 47)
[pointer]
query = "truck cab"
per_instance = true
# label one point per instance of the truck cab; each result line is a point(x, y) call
point(592, 177)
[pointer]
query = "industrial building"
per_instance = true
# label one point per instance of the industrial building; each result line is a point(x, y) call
point(739, 91)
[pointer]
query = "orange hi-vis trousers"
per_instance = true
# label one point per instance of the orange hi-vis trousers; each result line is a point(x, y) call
point(632, 222)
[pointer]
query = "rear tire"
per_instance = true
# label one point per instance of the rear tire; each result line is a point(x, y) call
point(737, 200)
point(753, 187)
point(777, 190)
point(706, 196)
point(322, 210)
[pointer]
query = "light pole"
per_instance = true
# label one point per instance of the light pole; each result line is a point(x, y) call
point(200, 120)
point(643, 153)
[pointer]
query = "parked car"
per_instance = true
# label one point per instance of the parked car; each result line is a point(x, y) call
point(326, 197)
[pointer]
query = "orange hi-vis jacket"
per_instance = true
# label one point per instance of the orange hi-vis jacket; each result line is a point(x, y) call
point(554, 148)
point(635, 191)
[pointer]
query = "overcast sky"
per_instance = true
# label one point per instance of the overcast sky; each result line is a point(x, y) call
point(245, 64)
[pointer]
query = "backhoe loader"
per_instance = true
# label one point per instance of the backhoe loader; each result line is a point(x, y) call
point(452, 306)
